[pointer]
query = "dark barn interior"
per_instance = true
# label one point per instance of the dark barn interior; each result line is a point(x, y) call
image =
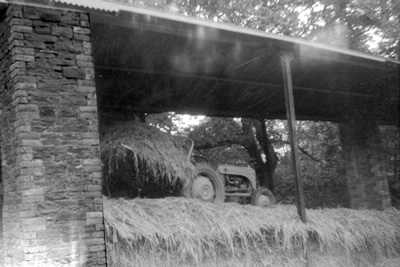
point(152, 64)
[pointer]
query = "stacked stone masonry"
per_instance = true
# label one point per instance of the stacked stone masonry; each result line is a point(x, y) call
point(51, 171)
point(365, 165)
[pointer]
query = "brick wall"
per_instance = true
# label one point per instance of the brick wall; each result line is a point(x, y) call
point(52, 212)
point(365, 164)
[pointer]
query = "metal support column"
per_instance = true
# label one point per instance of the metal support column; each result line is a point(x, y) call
point(291, 118)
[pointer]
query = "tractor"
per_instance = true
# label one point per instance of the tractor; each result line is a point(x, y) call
point(227, 183)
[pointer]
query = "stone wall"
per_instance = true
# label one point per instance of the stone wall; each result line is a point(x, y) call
point(52, 212)
point(365, 164)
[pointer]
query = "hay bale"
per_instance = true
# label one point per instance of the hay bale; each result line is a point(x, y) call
point(188, 232)
point(136, 155)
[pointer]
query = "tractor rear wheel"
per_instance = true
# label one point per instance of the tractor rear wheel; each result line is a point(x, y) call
point(208, 185)
point(262, 197)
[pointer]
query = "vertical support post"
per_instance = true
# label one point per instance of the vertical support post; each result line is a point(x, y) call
point(291, 117)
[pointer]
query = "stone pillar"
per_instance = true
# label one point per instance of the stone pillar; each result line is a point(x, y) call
point(51, 169)
point(365, 164)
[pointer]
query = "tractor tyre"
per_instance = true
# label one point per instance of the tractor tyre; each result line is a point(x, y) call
point(208, 184)
point(262, 197)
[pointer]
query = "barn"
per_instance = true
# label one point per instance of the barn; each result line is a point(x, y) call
point(67, 67)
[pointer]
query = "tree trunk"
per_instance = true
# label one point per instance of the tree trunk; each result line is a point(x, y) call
point(265, 168)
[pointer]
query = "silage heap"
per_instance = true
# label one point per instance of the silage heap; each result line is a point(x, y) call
point(137, 156)
point(188, 232)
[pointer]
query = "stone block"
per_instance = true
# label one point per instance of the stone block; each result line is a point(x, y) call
point(13, 13)
point(73, 73)
point(81, 30)
point(85, 24)
point(35, 257)
point(62, 31)
point(86, 89)
point(29, 235)
point(69, 19)
point(35, 249)
point(35, 44)
point(21, 29)
point(47, 112)
point(23, 51)
point(31, 12)
point(92, 102)
point(27, 107)
point(93, 188)
point(90, 135)
point(49, 17)
point(26, 58)
point(83, 17)
point(43, 29)
point(31, 142)
point(23, 128)
point(16, 36)
point(95, 241)
point(35, 37)
point(85, 64)
point(18, 64)
point(69, 216)
point(93, 194)
point(67, 45)
point(32, 199)
point(92, 168)
point(34, 227)
point(25, 178)
point(20, 21)
point(25, 78)
point(16, 43)
point(101, 254)
point(102, 261)
point(34, 192)
point(26, 206)
point(29, 135)
point(27, 115)
point(82, 37)
point(49, 234)
point(88, 115)
point(100, 234)
point(97, 248)
point(84, 58)
point(94, 214)
point(27, 214)
point(98, 207)
point(17, 72)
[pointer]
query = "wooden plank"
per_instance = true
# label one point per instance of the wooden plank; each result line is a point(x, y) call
point(291, 117)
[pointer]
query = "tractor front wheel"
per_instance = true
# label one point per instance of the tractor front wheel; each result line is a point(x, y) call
point(208, 185)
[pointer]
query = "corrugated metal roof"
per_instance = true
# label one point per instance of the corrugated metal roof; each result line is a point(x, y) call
point(92, 4)
point(89, 4)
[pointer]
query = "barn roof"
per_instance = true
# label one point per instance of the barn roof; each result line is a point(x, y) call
point(153, 61)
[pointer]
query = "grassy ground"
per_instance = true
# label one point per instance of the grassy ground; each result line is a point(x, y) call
point(187, 232)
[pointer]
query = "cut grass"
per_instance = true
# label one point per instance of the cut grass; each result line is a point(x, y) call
point(188, 232)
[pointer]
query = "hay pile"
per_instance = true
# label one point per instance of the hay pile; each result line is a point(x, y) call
point(136, 155)
point(188, 232)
